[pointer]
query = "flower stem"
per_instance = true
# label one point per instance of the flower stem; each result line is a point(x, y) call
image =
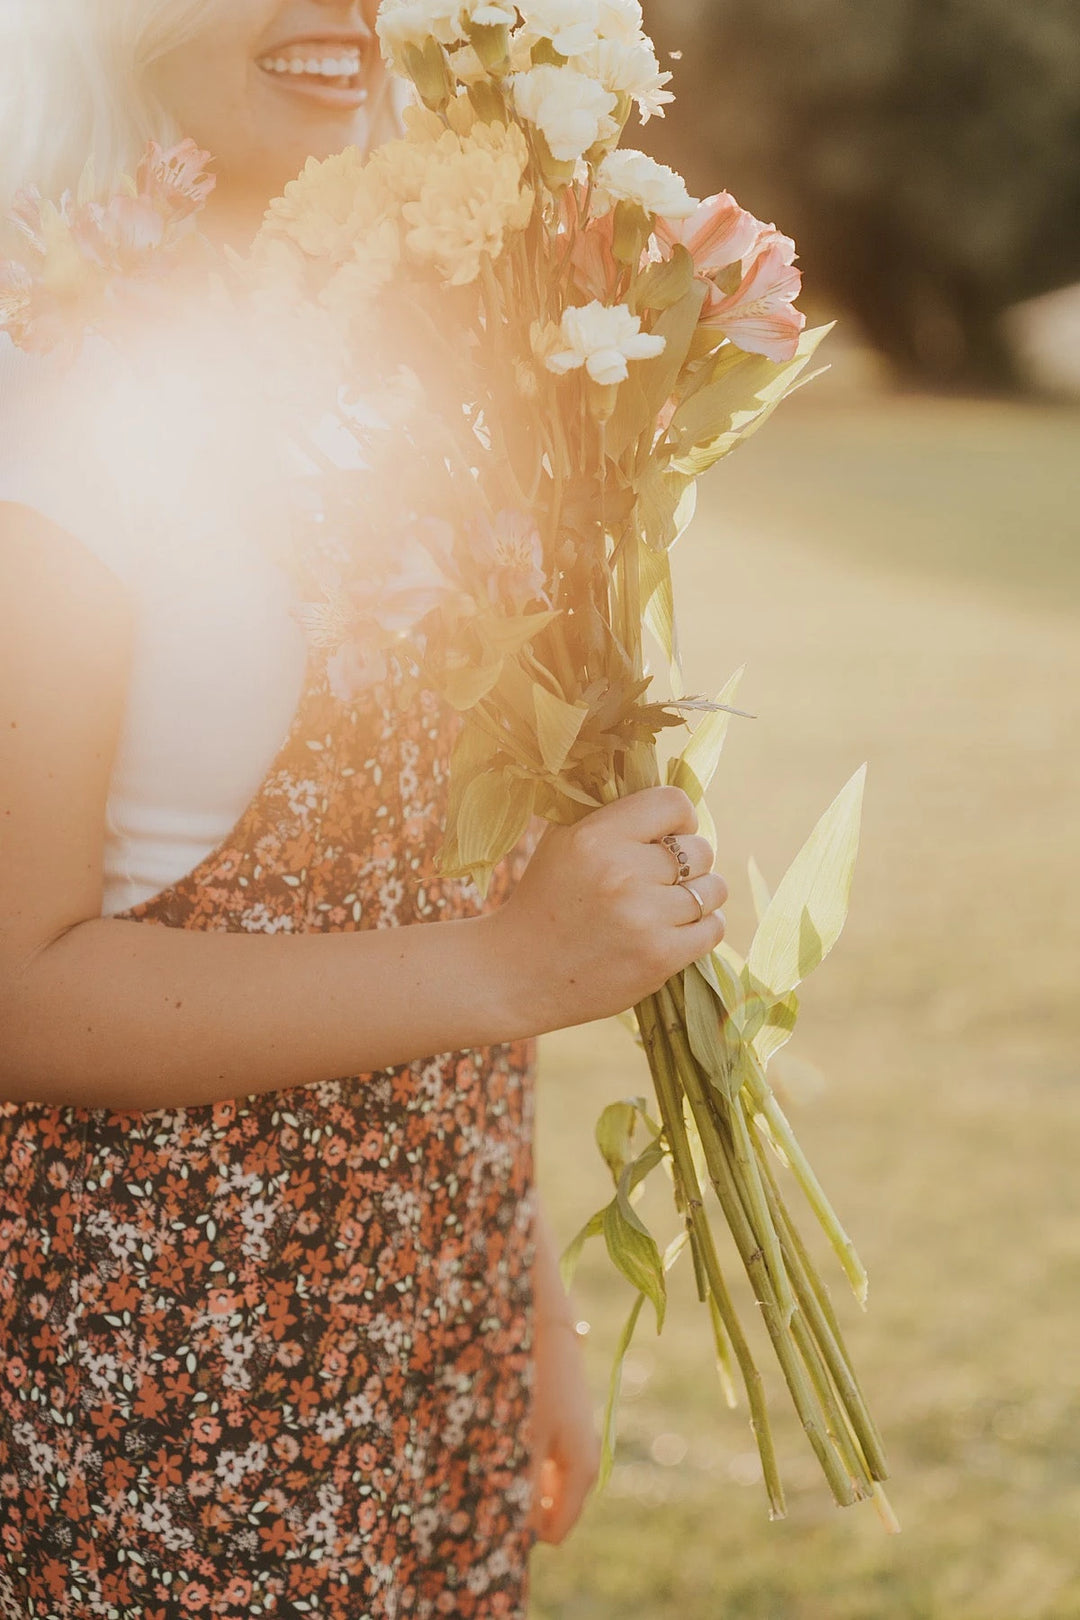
point(669, 1097)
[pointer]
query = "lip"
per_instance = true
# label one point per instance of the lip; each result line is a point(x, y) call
point(336, 97)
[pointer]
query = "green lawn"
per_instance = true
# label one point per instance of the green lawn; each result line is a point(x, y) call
point(901, 577)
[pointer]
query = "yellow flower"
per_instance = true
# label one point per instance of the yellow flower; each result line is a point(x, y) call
point(353, 289)
point(470, 196)
point(329, 205)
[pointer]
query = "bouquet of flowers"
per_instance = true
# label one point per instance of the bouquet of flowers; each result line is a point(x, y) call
point(83, 263)
point(547, 341)
point(509, 347)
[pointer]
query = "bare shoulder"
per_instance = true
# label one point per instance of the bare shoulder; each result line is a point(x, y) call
point(65, 636)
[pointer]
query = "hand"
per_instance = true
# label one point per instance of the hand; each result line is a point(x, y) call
point(598, 921)
point(566, 1450)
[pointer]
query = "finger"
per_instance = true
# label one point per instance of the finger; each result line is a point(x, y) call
point(681, 908)
point(547, 1484)
point(575, 1484)
point(696, 853)
point(693, 941)
point(649, 814)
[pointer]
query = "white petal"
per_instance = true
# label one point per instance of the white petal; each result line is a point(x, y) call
point(607, 366)
point(567, 360)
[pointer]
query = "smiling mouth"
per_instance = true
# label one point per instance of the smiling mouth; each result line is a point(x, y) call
point(331, 71)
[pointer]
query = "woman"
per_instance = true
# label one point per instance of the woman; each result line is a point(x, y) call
point(273, 1340)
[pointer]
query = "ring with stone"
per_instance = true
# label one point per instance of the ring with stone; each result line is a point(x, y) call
point(675, 849)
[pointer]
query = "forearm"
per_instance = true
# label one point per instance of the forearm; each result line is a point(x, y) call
point(132, 1015)
point(551, 1301)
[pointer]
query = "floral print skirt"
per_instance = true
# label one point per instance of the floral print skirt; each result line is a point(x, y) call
point(272, 1356)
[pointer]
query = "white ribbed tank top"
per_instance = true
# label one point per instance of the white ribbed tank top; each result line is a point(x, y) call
point(155, 461)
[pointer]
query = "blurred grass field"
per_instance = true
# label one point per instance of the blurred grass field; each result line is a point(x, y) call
point(902, 578)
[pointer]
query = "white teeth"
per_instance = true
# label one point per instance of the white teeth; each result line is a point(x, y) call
point(327, 67)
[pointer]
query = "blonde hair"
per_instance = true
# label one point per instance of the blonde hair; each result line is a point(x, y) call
point(77, 84)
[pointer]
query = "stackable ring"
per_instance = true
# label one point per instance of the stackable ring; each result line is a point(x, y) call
point(689, 887)
point(671, 843)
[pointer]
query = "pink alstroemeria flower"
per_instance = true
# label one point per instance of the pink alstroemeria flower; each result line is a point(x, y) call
point(80, 260)
point(717, 234)
point(592, 254)
point(758, 316)
point(175, 180)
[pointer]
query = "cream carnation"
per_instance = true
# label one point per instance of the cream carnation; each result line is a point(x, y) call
point(628, 176)
point(404, 23)
point(620, 19)
point(602, 339)
point(629, 70)
point(568, 108)
point(572, 26)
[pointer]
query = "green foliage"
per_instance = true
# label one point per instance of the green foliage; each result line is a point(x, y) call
point(925, 154)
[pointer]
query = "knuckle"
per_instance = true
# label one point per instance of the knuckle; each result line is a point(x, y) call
point(612, 882)
point(719, 928)
point(586, 841)
point(679, 804)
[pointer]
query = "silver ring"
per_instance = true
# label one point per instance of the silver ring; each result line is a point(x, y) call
point(689, 887)
point(675, 849)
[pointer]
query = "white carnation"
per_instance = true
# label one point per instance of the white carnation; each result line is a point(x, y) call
point(572, 26)
point(413, 22)
point(629, 70)
point(570, 109)
point(628, 176)
point(620, 19)
point(602, 339)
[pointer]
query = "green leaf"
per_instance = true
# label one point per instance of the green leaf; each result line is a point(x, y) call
point(744, 393)
point(664, 282)
point(777, 1027)
point(503, 635)
point(660, 494)
point(633, 1251)
point(571, 1255)
point(646, 1162)
point(615, 1131)
point(607, 1437)
point(694, 769)
point(615, 1136)
point(495, 810)
point(759, 889)
point(676, 326)
point(464, 687)
point(658, 594)
point(808, 910)
point(557, 726)
point(473, 752)
point(706, 1028)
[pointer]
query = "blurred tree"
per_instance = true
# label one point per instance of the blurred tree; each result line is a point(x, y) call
point(925, 154)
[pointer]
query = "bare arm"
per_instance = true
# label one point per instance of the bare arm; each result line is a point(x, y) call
point(101, 1012)
point(566, 1447)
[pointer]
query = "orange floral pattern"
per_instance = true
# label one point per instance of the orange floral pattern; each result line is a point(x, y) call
point(273, 1356)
